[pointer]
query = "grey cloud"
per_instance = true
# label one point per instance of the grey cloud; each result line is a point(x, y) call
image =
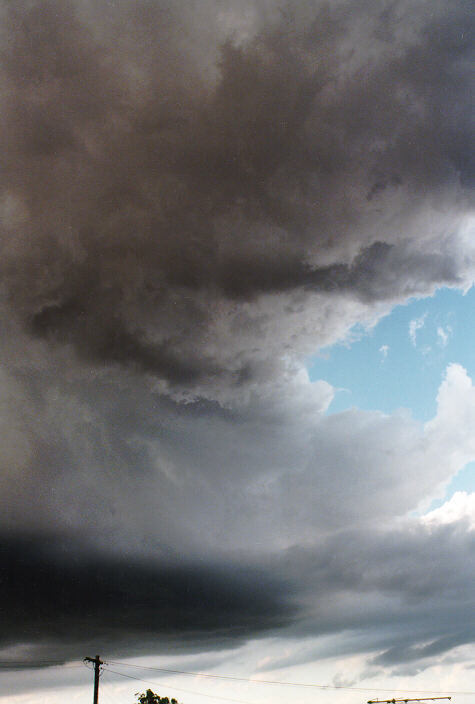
point(149, 195)
point(178, 494)
point(82, 450)
point(410, 562)
point(402, 594)
point(155, 604)
point(193, 199)
point(407, 653)
point(65, 598)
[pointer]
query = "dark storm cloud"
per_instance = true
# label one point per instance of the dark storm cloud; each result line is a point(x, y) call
point(379, 590)
point(406, 653)
point(63, 597)
point(193, 197)
point(401, 593)
point(158, 175)
point(182, 493)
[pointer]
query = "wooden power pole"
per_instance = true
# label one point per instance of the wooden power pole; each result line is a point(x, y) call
point(97, 663)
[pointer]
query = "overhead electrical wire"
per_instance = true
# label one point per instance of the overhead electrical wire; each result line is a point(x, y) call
point(178, 689)
point(16, 665)
point(33, 664)
point(233, 678)
point(109, 693)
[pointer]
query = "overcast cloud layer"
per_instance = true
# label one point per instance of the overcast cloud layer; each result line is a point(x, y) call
point(194, 198)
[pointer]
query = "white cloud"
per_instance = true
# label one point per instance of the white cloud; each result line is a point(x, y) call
point(384, 349)
point(460, 507)
point(296, 471)
point(415, 325)
point(443, 335)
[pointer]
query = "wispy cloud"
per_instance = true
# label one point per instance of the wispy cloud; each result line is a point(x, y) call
point(443, 335)
point(414, 325)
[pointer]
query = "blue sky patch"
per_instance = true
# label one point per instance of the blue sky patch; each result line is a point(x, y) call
point(401, 362)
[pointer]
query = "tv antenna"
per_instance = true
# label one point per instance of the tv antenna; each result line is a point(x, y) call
point(393, 701)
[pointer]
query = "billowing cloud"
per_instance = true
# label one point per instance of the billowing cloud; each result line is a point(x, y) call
point(461, 507)
point(289, 506)
point(170, 199)
point(195, 197)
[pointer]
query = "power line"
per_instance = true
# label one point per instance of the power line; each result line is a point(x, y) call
point(279, 682)
point(179, 689)
point(18, 664)
point(14, 664)
point(109, 690)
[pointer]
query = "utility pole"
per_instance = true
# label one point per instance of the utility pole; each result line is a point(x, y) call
point(97, 663)
point(393, 701)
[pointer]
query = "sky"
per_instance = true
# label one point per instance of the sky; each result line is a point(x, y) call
point(401, 361)
point(237, 352)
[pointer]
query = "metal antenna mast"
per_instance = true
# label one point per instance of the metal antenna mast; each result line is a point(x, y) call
point(393, 701)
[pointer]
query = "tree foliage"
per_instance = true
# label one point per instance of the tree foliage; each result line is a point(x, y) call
point(150, 697)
